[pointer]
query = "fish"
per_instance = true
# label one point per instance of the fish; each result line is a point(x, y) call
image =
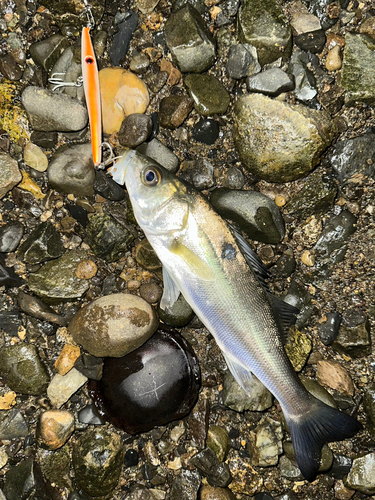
point(90, 76)
point(224, 281)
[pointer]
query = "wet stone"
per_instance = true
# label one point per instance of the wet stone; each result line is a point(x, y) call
point(135, 129)
point(156, 81)
point(332, 374)
point(209, 95)
point(10, 236)
point(271, 82)
point(218, 441)
point(57, 279)
point(198, 423)
point(113, 325)
point(108, 238)
point(36, 308)
point(263, 24)
point(242, 61)
point(10, 322)
point(12, 425)
point(139, 62)
point(24, 480)
point(55, 466)
point(97, 461)
point(173, 110)
point(89, 415)
point(285, 265)
point(354, 337)
point(9, 68)
point(156, 383)
point(211, 493)
point(160, 153)
point(78, 213)
point(107, 187)
point(256, 214)
point(44, 243)
point(237, 399)
point(23, 370)
point(62, 387)
point(8, 277)
point(234, 178)
point(46, 52)
point(131, 458)
point(335, 234)
point(150, 292)
point(265, 444)
point(185, 486)
point(340, 467)
point(305, 84)
point(55, 428)
point(311, 42)
point(207, 463)
point(121, 39)
point(206, 131)
point(289, 469)
point(369, 407)
point(178, 315)
point(71, 170)
point(199, 173)
point(362, 474)
point(145, 256)
point(10, 174)
point(189, 41)
point(66, 359)
point(329, 330)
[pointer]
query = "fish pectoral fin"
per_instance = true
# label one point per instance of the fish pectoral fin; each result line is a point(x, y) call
point(195, 264)
point(171, 291)
point(243, 376)
point(285, 315)
point(119, 168)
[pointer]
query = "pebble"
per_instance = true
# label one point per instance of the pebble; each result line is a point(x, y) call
point(154, 384)
point(122, 94)
point(23, 370)
point(341, 492)
point(62, 387)
point(90, 366)
point(207, 463)
point(299, 66)
point(47, 51)
point(113, 325)
point(308, 258)
point(121, 40)
point(263, 24)
point(3, 460)
point(150, 292)
point(238, 400)
point(8, 400)
point(189, 41)
point(242, 61)
point(67, 358)
point(44, 243)
point(206, 131)
point(354, 337)
point(160, 153)
point(10, 174)
point(289, 469)
point(335, 234)
point(9, 68)
point(198, 423)
point(246, 480)
point(279, 154)
point(367, 27)
point(329, 330)
point(34, 157)
point(89, 415)
point(28, 184)
point(55, 466)
point(185, 486)
point(271, 82)
point(218, 441)
point(53, 112)
point(55, 428)
point(199, 173)
point(173, 110)
point(57, 279)
point(107, 187)
point(10, 236)
point(177, 315)
point(98, 456)
point(333, 375)
point(38, 309)
point(86, 269)
point(311, 42)
point(12, 424)
point(369, 407)
point(298, 349)
point(255, 213)
point(135, 129)
point(211, 493)
point(333, 59)
point(131, 458)
point(139, 62)
point(362, 474)
point(303, 22)
point(209, 95)
point(71, 170)
point(265, 443)
point(234, 178)
point(22, 481)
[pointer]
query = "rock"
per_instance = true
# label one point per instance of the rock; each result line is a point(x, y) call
point(367, 27)
point(69, 69)
point(10, 174)
point(234, 178)
point(128, 22)
point(185, 486)
point(305, 84)
point(135, 129)
point(67, 358)
point(9, 68)
point(333, 59)
point(199, 173)
point(25, 480)
point(237, 399)
point(218, 441)
point(57, 279)
point(354, 338)
point(23, 370)
point(122, 94)
point(38, 309)
point(71, 170)
point(146, 256)
point(198, 423)
point(28, 184)
point(156, 81)
point(311, 42)
point(333, 375)
point(49, 112)
point(302, 22)
point(189, 41)
point(289, 469)
point(139, 62)
point(242, 61)
point(298, 349)
point(150, 292)
point(335, 234)
point(10, 236)
point(90, 366)
point(131, 458)
point(246, 480)
point(173, 110)
point(362, 474)
point(55, 428)
point(263, 24)
point(329, 330)
point(34, 157)
point(7, 400)
point(254, 212)
point(97, 460)
point(107, 187)
point(61, 388)
point(108, 238)
point(152, 385)
point(86, 269)
point(56, 466)
point(358, 72)
point(271, 82)
point(89, 415)
point(160, 153)
point(44, 243)
point(353, 159)
point(277, 152)
point(3, 461)
point(316, 196)
point(211, 493)
point(113, 325)
point(47, 52)
point(209, 95)
point(265, 444)
point(369, 407)
point(340, 467)
point(178, 315)
point(8, 277)
point(206, 131)
point(12, 425)
point(341, 492)
point(207, 463)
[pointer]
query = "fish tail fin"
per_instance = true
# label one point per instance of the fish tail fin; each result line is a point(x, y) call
point(310, 431)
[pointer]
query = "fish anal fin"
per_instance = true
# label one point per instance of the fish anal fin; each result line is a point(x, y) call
point(285, 315)
point(195, 264)
point(171, 291)
point(243, 376)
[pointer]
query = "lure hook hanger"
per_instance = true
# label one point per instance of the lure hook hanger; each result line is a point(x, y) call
point(89, 14)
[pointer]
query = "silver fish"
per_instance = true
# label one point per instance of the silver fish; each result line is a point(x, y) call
point(224, 282)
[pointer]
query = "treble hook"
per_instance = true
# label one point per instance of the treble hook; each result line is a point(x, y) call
point(59, 82)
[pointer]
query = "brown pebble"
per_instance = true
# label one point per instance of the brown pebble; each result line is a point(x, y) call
point(8, 17)
point(8, 400)
point(133, 285)
point(151, 292)
point(333, 60)
point(308, 258)
point(67, 358)
point(86, 269)
point(55, 428)
point(331, 374)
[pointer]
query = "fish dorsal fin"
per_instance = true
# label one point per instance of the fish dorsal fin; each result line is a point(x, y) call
point(285, 315)
point(243, 376)
point(195, 264)
point(171, 291)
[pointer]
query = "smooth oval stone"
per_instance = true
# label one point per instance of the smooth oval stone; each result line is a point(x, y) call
point(153, 385)
point(122, 93)
point(114, 325)
point(206, 131)
point(135, 129)
point(209, 95)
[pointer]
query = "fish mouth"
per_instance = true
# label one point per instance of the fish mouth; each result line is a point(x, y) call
point(119, 169)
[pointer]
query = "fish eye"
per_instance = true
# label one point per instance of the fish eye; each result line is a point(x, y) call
point(151, 176)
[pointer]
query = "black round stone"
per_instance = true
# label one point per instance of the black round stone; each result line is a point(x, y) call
point(206, 131)
point(131, 458)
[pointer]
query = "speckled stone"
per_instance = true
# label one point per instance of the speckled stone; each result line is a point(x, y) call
point(10, 174)
point(362, 474)
point(55, 428)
